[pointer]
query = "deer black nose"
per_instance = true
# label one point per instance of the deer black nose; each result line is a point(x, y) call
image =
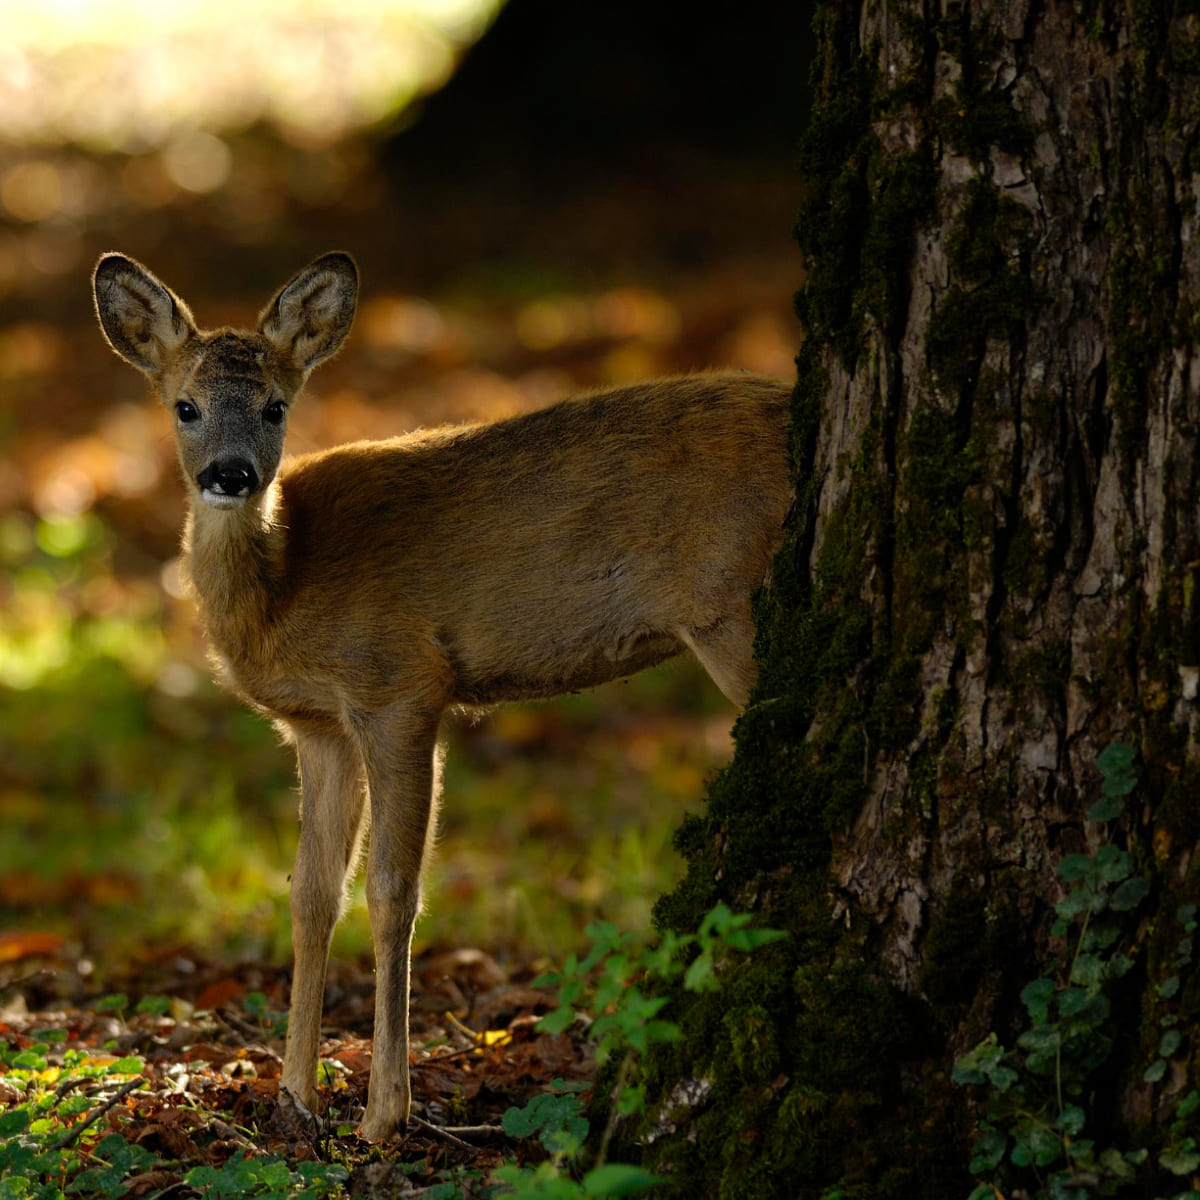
point(231, 477)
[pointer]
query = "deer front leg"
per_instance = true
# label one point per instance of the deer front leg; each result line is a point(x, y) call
point(331, 779)
point(401, 774)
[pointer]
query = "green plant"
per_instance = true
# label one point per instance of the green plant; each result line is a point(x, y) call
point(612, 981)
point(47, 1143)
point(546, 1182)
point(273, 1024)
point(1040, 1097)
point(267, 1177)
point(556, 1117)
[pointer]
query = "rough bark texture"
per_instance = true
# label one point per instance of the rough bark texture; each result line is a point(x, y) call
point(991, 575)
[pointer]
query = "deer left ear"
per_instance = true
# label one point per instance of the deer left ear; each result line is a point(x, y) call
point(310, 316)
point(143, 320)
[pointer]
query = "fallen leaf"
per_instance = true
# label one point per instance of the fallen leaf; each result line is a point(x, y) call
point(224, 991)
point(28, 943)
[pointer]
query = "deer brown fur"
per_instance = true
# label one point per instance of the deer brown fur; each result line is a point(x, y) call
point(354, 594)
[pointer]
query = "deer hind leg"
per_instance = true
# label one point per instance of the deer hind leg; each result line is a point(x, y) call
point(726, 651)
point(331, 827)
point(401, 759)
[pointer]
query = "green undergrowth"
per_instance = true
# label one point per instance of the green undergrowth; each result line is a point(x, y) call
point(71, 1137)
point(620, 982)
point(72, 1122)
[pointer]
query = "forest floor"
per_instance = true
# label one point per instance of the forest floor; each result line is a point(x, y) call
point(149, 821)
point(188, 1075)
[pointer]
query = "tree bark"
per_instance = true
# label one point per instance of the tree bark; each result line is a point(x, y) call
point(991, 575)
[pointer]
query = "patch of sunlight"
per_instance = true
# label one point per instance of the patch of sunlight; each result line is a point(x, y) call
point(139, 74)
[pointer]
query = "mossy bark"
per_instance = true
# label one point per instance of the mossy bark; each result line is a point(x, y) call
point(990, 575)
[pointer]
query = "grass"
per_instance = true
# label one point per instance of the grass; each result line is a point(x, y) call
point(141, 805)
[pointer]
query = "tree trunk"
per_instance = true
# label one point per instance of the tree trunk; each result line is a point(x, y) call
point(991, 576)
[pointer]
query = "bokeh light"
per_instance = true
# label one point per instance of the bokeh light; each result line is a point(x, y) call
point(135, 75)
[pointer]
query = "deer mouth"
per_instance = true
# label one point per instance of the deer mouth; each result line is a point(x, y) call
point(228, 484)
point(217, 499)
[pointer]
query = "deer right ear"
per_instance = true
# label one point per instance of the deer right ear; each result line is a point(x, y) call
point(143, 320)
point(309, 317)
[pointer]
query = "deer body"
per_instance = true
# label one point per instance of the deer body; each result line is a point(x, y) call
point(354, 594)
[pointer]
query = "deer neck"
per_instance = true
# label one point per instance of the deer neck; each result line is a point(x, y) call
point(233, 559)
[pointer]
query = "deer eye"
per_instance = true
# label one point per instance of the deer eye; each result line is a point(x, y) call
point(273, 413)
point(187, 412)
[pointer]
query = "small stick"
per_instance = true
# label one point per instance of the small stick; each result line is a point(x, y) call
point(478, 1133)
point(113, 1100)
point(481, 1132)
point(465, 1030)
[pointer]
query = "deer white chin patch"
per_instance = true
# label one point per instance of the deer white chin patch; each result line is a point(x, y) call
point(221, 499)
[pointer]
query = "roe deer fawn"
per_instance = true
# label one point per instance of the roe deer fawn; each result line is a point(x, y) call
point(353, 595)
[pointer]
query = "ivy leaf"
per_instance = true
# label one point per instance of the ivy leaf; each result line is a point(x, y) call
point(1081, 1153)
point(1074, 866)
point(979, 1064)
point(14, 1121)
point(1169, 987)
point(1107, 808)
point(1129, 895)
point(1040, 1039)
point(1119, 966)
point(619, 1179)
point(701, 975)
point(1088, 970)
point(130, 1065)
point(1155, 1071)
point(1046, 1145)
point(747, 940)
point(719, 919)
point(1113, 864)
point(1115, 1163)
point(988, 1151)
point(1071, 1120)
point(1022, 1155)
point(558, 1021)
point(1118, 765)
point(1079, 901)
point(1002, 1078)
point(1100, 935)
point(1180, 1162)
point(1036, 997)
point(1115, 757)
point(1170, 1042)
point(1085, 1006)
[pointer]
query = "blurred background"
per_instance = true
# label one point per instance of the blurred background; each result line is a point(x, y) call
point(542, 198)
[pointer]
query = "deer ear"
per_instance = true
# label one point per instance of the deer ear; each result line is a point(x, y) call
point(143, 320)
point(311, 314)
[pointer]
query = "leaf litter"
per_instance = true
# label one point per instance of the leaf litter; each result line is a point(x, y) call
point(193, 1078)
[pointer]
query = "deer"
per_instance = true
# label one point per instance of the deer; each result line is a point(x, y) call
point(354, 595)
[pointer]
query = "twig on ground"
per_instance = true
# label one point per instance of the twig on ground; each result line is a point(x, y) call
point(228, 1133)
point(455, 1136)
point(115, 1099)
point(68, 1086)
